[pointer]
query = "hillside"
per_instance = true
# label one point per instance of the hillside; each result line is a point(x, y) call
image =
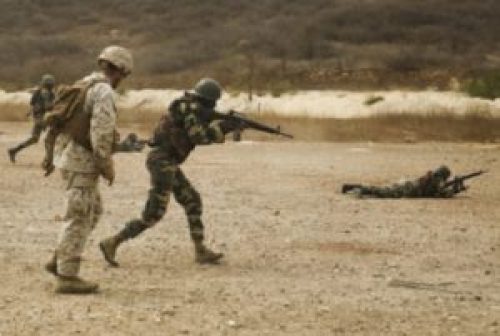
point(292, 43)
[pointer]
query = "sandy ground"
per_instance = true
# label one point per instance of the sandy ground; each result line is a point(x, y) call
point(302, 259)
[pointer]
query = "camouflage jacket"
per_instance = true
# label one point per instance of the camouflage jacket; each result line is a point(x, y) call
point(41, 101)
point(425, 186)
point(430, 185)
point(186, 124)
point(99, 103)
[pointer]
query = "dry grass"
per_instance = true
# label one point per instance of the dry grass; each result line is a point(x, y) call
point(13, 112)
point(296, 44)
point(472, 127)
point(475, 126)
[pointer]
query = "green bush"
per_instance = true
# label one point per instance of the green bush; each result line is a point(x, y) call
point(486, 86)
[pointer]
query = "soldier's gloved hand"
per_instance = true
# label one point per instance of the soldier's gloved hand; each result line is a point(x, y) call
point(227, 126)
point(107, 171)
point(459, 187)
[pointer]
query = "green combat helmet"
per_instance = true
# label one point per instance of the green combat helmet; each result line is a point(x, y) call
point(208, 89)
point(444, 172)
point(48, 80)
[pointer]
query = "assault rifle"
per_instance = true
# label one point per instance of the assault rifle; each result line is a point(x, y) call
point(458, 181)
point(245, 123)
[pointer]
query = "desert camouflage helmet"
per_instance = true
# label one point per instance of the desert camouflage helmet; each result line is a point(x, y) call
point(48, 80)
point(208, 88)
point(118, 56)
point(443, 172)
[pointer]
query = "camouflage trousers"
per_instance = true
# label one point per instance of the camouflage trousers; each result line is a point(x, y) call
point(83, 210)
point(407, 189)
point(167, 178)
point(36, 132)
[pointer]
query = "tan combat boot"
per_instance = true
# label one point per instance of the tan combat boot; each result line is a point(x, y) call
point(51, 265)
point(108, 248)
point(206, 256)
point(75, 285)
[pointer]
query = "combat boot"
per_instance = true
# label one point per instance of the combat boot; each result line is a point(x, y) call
point(108, 248)
point(75, 285)
point(349, 187)
point(206, 256)
point(12, 154)
point(51, 265)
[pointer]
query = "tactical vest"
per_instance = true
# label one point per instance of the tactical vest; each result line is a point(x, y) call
point(68, 116)
point(170, 135)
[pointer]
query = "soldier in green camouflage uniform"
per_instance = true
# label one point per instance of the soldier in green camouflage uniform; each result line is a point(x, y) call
point(430, 185)
point(188, 123)
point(41, 101)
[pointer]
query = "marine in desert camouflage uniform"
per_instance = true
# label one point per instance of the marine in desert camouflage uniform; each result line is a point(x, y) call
point(188, 122)
point(430, 185)
point(81, 169)
point(41, 102)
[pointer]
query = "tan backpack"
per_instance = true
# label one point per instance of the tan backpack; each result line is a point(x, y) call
point(68, 116)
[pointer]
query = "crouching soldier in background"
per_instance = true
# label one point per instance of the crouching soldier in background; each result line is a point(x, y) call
point(81, 166)
point(131, 143)
point(187, 123)
point(430, 185)
point(41, 101)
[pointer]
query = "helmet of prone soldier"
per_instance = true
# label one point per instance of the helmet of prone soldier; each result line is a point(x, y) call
point(119, 57)
point(209, 89)
point(48, 81)
point(443, 172)
point(132, 137)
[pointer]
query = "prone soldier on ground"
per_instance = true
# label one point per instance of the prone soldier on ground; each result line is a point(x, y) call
point(84, 157)
point(41, 102)
point(434, 184)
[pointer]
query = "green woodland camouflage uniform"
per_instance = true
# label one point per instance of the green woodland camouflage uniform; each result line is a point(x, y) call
point(429, 185)
point(41, 101)
point(80, 169)
point(187, 123)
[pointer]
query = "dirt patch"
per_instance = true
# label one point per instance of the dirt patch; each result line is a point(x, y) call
point(344, 247)
point(260, 200)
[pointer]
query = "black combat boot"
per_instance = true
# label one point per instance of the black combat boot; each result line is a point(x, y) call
point(12, 154)
point(349, 187)
point(203, 255)
point(51, 265)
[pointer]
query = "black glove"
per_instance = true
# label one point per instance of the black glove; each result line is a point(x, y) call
point(459, 187)
point(227, 126)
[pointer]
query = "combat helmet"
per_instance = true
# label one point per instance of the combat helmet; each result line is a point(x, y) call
point(208, 88)
point(443, 172)
point(48, 80)
point(132, 137)
point(118, 56)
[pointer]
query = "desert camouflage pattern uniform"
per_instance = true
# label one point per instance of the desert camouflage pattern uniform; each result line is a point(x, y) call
point(428, 185)
point(80, 171)
point(41, 101)
point(186, 125)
